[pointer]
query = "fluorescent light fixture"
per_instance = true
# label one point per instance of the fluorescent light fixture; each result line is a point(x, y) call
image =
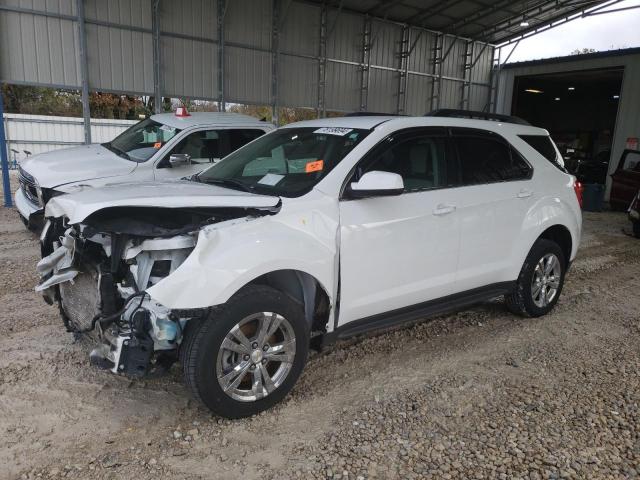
point(616, 97)
point(524, 23)
point(571, 89)
point(557, 99)
point(533, 90)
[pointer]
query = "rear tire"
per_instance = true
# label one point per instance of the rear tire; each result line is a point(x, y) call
point(540, 282)
point(260, 333)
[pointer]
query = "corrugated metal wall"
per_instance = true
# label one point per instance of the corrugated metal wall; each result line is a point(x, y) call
point(42, 133)
point(39, 44)
point(628, 119)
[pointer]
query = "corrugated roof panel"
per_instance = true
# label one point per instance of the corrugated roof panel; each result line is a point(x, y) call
point(418, 95)
point(38, 49)
point(383, 91)
point(421, 57)
point(385, 44)
point(197, 18)
point(190, 68)
point(248, 76)
point(297, 81)
point(343, 87)
point(119, 59)
point(345, 41)
point(135, 13)
point(248, 22)
point(300, 31)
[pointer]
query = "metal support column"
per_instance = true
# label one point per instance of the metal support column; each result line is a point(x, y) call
point(494, 81)
point(84, 71)
point(275, 34)
point(321, 110)
point(468, 65)
point(436, 61)
point(4, 158)
point(221, 12)
point(366, 63)
point(157, 83)
point(403, 67)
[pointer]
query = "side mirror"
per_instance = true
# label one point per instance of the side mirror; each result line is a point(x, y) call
point(377, 184)
point(179, 160)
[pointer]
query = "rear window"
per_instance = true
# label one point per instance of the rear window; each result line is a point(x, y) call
point(544, 146)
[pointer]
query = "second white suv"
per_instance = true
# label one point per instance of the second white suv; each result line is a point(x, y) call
point(318, 231)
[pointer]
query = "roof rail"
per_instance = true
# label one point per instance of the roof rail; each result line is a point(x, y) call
point(496, 117)
point(373, 114)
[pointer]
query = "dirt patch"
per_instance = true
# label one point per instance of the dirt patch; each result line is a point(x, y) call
point(479, 394)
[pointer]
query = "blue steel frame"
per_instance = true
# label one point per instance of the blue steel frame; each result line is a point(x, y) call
point(4, 160)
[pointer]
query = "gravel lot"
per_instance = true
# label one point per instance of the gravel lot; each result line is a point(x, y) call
point(479, 394)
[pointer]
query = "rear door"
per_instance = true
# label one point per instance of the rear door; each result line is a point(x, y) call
point(626, 179)
point(399, 251)
point(494, 195)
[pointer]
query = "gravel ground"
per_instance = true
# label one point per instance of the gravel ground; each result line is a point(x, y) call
point(479, 394)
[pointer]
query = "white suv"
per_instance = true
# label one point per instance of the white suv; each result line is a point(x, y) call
point(318, 231)
point(162, 147)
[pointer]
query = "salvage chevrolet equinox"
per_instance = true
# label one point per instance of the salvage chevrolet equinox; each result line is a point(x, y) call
point(315, 232)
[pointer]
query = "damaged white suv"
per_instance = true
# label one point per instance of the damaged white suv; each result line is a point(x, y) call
point(315, 232)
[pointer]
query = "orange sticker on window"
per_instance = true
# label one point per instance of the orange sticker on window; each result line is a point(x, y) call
point(314, 166)
point(157, 145)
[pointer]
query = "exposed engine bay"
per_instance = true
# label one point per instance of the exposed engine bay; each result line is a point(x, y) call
point(98, 271)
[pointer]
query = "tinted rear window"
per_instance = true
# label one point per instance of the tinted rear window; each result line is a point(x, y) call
point(544, 146)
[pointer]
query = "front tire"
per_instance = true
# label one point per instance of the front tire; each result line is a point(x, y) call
point(540, 281)
point(247, 355)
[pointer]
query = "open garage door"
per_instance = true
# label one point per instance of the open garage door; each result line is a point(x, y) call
point(579, 108)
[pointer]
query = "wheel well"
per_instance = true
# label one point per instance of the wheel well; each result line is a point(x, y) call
point(305, 290)
point(560, 235)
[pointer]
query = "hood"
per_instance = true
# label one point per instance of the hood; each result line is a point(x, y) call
point(88, 162)
point(175, 194)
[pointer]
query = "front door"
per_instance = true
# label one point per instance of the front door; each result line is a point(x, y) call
point(399, 251)
point(626, 180)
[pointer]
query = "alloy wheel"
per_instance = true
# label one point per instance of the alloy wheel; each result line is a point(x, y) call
point(546, 280)
point(256, 356)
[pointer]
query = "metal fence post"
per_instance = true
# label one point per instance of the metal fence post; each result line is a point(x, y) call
point(321, 109)
point(84, 71)
point(157, 84)
point(4, 159)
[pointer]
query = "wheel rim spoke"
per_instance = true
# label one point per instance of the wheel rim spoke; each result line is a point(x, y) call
point(545, 283)
point(256, 356)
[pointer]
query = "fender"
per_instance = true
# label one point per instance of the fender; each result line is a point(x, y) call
point(231, 254)
point(545, 213)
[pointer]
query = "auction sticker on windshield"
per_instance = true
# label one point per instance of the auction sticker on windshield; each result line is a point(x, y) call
point(270, 179)
point(333, 130)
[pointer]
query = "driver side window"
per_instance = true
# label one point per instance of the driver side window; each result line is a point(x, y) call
point(419, 158)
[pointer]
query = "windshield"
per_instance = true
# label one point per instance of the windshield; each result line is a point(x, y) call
point(287, 162)
point(142, 140)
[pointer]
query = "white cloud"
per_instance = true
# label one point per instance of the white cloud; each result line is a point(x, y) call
point(600, 32)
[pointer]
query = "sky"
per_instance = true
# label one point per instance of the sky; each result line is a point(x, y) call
point(600, 32)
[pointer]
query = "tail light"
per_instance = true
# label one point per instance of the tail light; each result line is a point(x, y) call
point(578, 188)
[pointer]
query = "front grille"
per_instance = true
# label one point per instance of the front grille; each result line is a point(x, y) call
point(29, 186)
point(81, 299)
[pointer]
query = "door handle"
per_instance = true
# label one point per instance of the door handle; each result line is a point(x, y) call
point(443, 209)
point(525, 193)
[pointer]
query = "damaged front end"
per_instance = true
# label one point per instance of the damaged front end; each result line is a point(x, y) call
point(98, 272)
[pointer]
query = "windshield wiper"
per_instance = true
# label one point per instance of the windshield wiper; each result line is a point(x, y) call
point(116, 150)
point(229, 183)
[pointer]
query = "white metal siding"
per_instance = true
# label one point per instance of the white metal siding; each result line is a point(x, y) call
point(42, 133)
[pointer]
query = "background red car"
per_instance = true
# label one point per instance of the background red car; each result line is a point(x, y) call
point(625, 180)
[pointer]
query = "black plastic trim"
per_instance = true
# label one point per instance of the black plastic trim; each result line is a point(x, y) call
point(415, 313)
